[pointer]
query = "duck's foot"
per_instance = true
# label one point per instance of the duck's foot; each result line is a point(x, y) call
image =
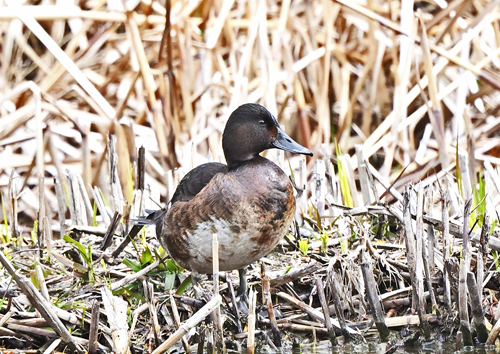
point(243, 304)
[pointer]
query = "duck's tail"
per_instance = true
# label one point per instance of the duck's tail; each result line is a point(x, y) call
point(154, 217)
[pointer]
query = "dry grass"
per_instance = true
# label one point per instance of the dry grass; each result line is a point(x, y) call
point(416, 86)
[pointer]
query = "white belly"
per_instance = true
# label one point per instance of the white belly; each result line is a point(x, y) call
point(237, 248)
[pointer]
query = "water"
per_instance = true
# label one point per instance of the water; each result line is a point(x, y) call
point(324, 347)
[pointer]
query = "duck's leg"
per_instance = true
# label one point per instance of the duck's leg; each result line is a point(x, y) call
point(242, 291)
point(196, 283)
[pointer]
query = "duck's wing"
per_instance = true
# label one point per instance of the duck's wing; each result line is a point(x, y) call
point(195, 180)
point(192, 184)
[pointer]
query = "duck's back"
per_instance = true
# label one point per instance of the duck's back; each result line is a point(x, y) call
point(195, 180)
point(250, 207)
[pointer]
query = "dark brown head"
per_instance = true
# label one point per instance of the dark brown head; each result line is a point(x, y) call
point(251, 129)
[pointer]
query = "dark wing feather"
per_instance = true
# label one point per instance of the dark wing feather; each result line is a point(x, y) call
point(195, 180)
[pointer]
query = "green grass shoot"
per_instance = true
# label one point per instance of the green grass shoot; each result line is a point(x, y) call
point(344, 182)
point(304, 246)
point(5, 239)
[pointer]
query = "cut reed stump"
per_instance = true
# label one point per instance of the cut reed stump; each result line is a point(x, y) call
point(326, 311)
point(445, 199)
point(372, 294)
point(218, 333)
point(483, 251)
point(266, 292)
point(419, 262)
point(251, 322)
point(477, 308)
point(150, 300)
point(339, 310)
point(428, 256)
point(94, 327)
point(463, 310)
point(417, 302)
point(116, 311)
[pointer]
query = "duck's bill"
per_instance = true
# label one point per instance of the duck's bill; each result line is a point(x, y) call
point(284, 142)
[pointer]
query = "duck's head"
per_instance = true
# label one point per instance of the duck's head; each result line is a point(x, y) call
point(251, 129)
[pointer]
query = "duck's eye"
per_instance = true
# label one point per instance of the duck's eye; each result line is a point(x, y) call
point(261, 122)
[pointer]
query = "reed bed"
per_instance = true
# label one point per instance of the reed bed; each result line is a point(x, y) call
point(105, 105)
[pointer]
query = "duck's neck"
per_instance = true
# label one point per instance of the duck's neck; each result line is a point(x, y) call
point(235, 163)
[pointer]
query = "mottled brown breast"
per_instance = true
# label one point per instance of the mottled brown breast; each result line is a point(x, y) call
point(250, 208)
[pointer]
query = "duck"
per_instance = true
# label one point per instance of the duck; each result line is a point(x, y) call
point(249, 201)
